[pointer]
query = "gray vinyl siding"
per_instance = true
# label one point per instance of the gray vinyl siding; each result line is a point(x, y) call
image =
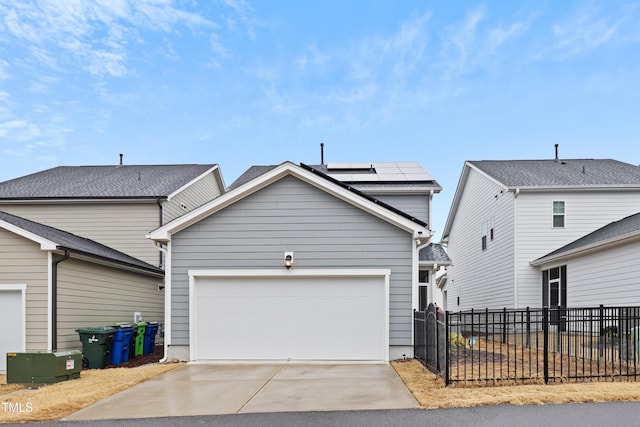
point(92, 295)
point(197, 194)
point(482, 278)
point(290, 215)
point(416, 205)
point(585, 212)
point(122, 226)
point(22, 262)
point(608, 277)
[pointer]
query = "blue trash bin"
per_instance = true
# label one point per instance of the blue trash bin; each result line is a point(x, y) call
point(120, 345)
point(150, 337)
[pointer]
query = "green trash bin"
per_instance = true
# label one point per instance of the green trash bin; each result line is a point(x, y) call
point(139, 333)
point(96, 346)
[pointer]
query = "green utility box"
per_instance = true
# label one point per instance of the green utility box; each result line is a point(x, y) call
point(43, 367)
point(96, 346)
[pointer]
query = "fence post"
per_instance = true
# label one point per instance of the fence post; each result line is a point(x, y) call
point(447, 348)
point(545, 350)
point(504, 325)
point(528, 342)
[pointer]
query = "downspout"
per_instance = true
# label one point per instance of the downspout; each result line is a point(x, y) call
point(160, 224)
point(515, 248)
point(54, 299)
point(167, 303)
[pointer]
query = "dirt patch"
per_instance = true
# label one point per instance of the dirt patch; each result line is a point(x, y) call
point(430, 391)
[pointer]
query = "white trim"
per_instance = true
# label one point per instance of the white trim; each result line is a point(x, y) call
point(213, 170)
point(163, 233)
point(50, 301)
point(45, 244)
point(167, 299)
point(271, 273)
point(23, 291)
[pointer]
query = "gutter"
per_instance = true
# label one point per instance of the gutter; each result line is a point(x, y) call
point(54, 298)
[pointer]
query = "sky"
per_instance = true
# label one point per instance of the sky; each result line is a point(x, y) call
point(241, 83)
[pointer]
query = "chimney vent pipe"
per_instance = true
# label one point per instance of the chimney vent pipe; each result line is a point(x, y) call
point(322, 154)
point(557, 153)
point(121, 156)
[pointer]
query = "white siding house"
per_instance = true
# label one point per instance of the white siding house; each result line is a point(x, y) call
point(602, 267)
point(506, 214)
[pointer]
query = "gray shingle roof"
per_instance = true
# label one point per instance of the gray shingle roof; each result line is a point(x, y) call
point(434, 252)
point(66, 240)
point(552, 173)
point(128, 181)
point(630, 224)
point(250, 174)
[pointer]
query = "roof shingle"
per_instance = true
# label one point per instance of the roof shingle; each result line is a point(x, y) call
point(66, 240)
point(91, 182)
point(561, 173)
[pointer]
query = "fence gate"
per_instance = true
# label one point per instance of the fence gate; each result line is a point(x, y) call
point(430, 338)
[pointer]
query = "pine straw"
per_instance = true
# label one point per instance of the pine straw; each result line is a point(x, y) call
point(52, 402)
point(430, 392)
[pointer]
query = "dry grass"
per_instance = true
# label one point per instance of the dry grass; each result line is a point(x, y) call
point(52, 402)
point(430, 392)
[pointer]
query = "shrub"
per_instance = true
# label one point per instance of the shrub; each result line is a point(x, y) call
point(456, 342)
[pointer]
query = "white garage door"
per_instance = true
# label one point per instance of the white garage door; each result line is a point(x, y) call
point(297, 318)
point(11, 324)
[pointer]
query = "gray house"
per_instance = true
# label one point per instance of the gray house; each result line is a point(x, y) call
point(52, 282)
point(291, 263)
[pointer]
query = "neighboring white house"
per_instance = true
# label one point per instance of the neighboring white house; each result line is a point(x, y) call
point(506, 214)
point(602, 267)
point(291, 263)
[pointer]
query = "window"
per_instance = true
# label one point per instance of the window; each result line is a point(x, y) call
point(423, 276)
point(484, 236)
point(492, 223)
point(558, 214)
point(554, 294)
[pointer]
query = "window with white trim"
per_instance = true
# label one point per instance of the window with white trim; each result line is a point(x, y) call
point(558, 214)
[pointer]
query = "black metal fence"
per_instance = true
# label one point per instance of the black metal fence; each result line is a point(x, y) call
point(530, 345)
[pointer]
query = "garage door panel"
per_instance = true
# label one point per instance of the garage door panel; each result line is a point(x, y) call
point(299, 318)
point(11, 324)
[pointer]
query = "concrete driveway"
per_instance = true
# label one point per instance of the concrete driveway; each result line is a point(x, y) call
point(230, 388)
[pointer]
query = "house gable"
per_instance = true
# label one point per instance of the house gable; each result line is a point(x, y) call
point(403, 221)
point(290, 214)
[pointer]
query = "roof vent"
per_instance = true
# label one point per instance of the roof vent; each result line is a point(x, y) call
point(322, 155)
point(557, 152)
point(121, 156)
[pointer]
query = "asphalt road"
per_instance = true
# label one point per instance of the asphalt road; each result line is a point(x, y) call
point(583, 414)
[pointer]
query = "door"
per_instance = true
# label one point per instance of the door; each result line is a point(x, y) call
point(281, 318)
point(12, 327)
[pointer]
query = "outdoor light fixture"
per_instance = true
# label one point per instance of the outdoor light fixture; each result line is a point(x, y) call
point(288, 260)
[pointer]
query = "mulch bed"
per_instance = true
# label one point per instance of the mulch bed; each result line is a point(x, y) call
point(145, 359)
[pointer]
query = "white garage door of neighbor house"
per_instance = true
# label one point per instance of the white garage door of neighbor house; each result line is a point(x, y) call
point(11, 324)
point(297, 318)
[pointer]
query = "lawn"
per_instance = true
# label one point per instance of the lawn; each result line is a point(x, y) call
point(430, 392)
point(52, 402)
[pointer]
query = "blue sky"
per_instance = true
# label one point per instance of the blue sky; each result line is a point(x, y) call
point(240, 83)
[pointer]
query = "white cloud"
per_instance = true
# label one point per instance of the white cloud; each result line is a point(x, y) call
point(19, 130)
point(584, 32)
point(4, 70)
point(94, 35)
